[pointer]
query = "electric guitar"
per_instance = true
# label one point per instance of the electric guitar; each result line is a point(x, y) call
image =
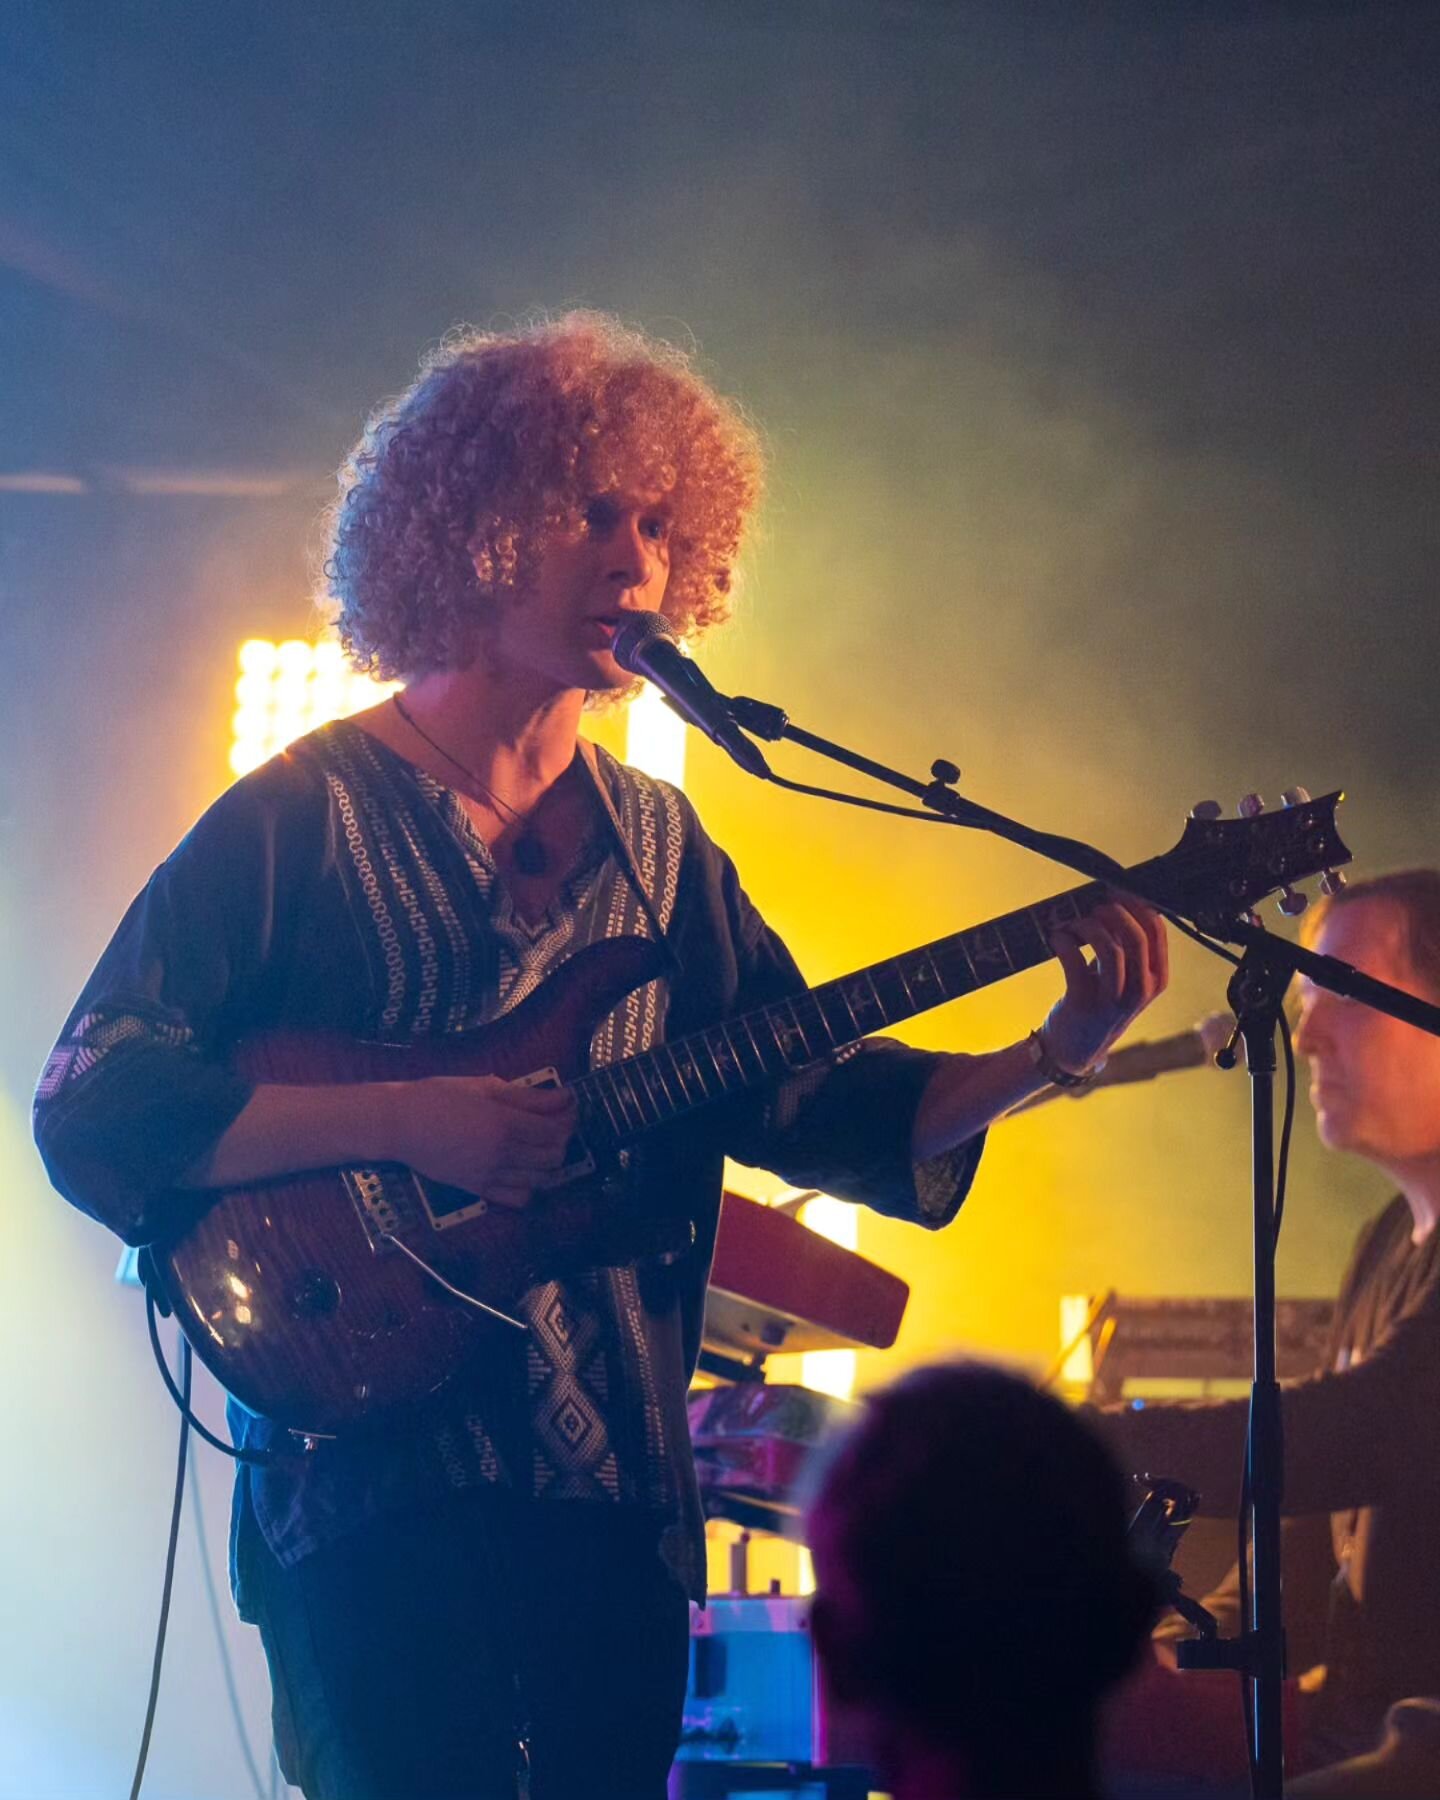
point(326, 1299)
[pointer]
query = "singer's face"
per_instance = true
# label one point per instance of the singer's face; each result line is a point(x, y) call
point(1374, 1082)
point(613, 557)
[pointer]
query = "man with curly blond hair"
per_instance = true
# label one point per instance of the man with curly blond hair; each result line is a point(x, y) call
point(521, 1546)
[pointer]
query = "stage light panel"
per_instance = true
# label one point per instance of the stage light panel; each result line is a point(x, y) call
point(284, 690)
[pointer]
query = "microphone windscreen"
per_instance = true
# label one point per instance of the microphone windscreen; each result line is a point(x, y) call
point(636, 630)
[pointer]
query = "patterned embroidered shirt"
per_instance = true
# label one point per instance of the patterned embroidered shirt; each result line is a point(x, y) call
point(339, 888)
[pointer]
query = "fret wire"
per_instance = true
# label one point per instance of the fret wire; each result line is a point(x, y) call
point(770, 1020)
point(664, 1084)
point(591, 1119)
point(727, 1049)
point(818, 1026)
point(940, 981)
point(800, 1030)
point(664, 1105)
point(626, 1070)
point(715, 1060)
point(910, 1000)
point(841, 1034)
point(625, 1094)
point(678, 1072)
point(640, 1082)
point(899, 1004)
point(1039, 927)
point(1021, 922)
point(605, 1076)
point(687, 1044)
point(744, 1020)
point(839, 986)
point(604, 1101)
point(732, 1039)
point(875, 992)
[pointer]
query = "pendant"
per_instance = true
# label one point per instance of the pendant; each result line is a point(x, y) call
point(530, 855)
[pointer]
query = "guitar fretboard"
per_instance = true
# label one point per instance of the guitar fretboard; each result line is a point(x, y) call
point(621, 1101)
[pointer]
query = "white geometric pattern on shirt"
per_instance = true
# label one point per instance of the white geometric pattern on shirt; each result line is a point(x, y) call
point(95, 1036)
point(568, 1387)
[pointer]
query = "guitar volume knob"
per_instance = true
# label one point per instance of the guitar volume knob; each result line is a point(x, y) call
point(1251, 806)
point(1296, 796)
point(1332, 882)
point(1206, 810)
point(315, 1295)
point(1292, 902)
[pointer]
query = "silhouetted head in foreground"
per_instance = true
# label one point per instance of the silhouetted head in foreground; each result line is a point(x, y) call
point(976, 1595)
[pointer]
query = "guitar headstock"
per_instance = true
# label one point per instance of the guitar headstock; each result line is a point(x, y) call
point(1222, 867)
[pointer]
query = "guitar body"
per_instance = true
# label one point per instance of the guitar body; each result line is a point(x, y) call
point(293, 1297)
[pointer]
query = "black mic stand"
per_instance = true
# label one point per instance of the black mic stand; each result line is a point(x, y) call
point(1256, 993)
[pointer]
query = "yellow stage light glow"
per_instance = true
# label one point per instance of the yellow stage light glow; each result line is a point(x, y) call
point(655, 737)
point(284, 690)
point(1078, 1368)
point(831, 1371)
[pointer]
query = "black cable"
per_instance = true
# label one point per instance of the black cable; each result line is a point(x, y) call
point(262, 1789)
point(261, 1458)
point(1205, 941)
point(185, 1375)
point(1247, 1698)
point(1282, 1166)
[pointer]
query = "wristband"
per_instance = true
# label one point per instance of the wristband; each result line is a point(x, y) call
point(1052, 1071)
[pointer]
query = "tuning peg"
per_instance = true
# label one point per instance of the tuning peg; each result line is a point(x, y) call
point(1296, 796)
point(1292, 902)
point(1206, 810)
point(1251, 807)
point(1332, 882)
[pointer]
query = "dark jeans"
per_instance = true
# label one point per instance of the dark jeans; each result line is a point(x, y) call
point(393, 1654)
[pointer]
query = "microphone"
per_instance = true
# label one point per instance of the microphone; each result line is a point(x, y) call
point(1147, 1059)
point(645, 645)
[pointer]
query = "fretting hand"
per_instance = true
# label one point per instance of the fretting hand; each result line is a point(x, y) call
point(1105, 992)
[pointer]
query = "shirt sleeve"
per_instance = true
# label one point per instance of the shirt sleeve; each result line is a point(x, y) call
point(1353, 1437)
point(136, 1089)
point(843, 1125)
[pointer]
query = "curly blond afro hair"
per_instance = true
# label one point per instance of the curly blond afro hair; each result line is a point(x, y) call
point(448, 498)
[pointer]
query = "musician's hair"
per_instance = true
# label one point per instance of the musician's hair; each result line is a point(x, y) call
point(972, 1564)
point(1415, 894)
point(500, 440)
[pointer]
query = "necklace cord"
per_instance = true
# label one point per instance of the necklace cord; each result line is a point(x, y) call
point(531, 855)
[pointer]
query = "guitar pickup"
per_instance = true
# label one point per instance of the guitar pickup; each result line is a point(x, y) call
point(578, 1160)
point(446, 1206)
